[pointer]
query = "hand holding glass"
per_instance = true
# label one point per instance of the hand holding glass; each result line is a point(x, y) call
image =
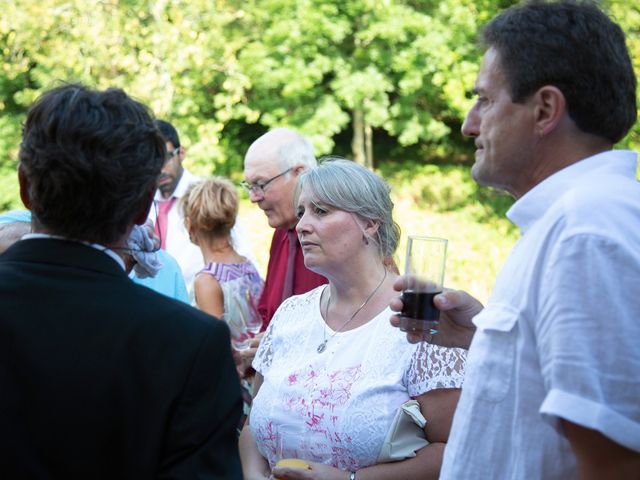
point(289, 452)
point(297, 446)
point(424, 269)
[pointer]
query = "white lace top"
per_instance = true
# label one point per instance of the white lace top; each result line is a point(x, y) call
point(347, 395)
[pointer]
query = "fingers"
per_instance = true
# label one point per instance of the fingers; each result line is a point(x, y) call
point(405, 282)
point(458, 300)
point(447, 300)
point(291, 473)
point(314, 471)
point(248, 355)
point(398, 285)
point(239, 362)
point(244, 358)
point(412, 337)
point(396, 304)
point(455, 327)
point(409, 282)
point(255, 341)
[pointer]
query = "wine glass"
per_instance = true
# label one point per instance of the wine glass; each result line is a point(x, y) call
point(297, 446)
point(425, 265)
point(242, 317)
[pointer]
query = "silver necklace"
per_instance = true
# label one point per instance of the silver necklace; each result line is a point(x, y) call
point(323, 345)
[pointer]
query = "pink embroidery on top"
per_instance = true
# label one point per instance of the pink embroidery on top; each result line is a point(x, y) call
point(321, 395)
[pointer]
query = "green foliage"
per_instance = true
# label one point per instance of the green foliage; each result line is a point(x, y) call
point(408, 66)
point(229, 67)
point(627, 14)
point(9, 143)
point(224, 71)
point(446, 188)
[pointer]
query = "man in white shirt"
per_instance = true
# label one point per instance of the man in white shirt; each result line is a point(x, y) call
point(167, 215)
point(552, 387)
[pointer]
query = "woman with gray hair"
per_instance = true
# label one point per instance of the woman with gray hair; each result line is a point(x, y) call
point(331, 364)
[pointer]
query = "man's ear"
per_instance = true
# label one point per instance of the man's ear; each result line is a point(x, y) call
point(145, 208)
point(24, 188)
point(298, 169)
point(549, 109)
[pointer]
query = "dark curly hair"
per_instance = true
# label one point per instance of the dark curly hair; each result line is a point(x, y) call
point(92, 160)
point(574, 46)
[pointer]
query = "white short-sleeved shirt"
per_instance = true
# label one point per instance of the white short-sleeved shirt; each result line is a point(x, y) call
point(559, 336)
point(347, 395)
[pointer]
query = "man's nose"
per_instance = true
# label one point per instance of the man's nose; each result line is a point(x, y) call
point(471, 124)
point(255, 196)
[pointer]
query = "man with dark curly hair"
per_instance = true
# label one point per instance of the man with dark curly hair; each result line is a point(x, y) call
point(102, 378)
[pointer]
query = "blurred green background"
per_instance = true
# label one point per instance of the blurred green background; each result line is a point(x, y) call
point(384, 82)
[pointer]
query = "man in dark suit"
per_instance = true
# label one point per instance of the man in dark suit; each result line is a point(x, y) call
point(99, 377)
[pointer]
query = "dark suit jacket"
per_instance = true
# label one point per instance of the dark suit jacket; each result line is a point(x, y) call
point(102, 378)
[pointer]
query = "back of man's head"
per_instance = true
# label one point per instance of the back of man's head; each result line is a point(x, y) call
point(89, 162)
point(574, 46)
point(169, 132)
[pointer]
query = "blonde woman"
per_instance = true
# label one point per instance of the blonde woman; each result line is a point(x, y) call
point(228, 283)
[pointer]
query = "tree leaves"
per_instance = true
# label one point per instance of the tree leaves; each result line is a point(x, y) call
point(224, 71)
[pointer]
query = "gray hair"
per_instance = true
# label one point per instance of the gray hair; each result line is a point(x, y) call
point(347, 186)
point(298, 150)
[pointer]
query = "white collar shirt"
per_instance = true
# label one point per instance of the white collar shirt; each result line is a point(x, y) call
point(101, 248)
point(558, 338)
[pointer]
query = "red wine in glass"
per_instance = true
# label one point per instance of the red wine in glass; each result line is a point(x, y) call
point(417, 310)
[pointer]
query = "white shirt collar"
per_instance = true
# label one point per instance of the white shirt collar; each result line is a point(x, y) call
point(97, 246)
point(533, 204)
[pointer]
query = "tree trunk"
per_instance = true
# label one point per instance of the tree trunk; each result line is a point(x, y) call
point(357, 142)
point(368, 143)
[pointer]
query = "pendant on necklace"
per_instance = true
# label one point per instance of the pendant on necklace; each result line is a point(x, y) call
point(322, 347)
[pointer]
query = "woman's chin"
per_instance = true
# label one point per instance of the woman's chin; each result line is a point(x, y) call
point(313, 265)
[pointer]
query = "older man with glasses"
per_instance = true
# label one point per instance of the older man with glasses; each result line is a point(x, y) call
point(172, 185)
point(271, 165)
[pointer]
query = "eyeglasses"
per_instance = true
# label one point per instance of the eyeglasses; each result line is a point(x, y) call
point(258, 188)
point(172, 154)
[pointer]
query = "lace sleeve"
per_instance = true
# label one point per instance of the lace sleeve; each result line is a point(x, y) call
point(264, 355)
point(434, 367)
